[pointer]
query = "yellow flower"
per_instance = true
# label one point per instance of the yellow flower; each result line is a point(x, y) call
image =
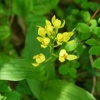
point(64, 37)
point(44, 41)
point(41, 31)
point(48, 27)
point(39, 58)
point(63, 55)
point(59, 38)
point(57, 23)
point(67, 36)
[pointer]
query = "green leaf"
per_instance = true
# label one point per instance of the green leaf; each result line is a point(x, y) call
point(4, 87)
point(22, 7)
point(92, 42)
point(73, 72)
point(64, 69)
point(36, 87)
point(96, 31)
point(75, 64)
point(44, 6)
point(20, 69)
point(95, 50)
point(75, 11)
point(71, 45)
point(86, 16)
point(4, 32)
point(23, 88)
point(83, 30)
point(13, 95)
point(62, 90)
point(79, 50)
point(96, 63)
point(99, 20)
point(93, 24)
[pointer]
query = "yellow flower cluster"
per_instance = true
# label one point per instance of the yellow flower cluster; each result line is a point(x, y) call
point(48, 32)
point(48, 36)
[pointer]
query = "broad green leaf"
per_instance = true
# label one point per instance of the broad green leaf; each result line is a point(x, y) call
point(20, 69)
point(62, 90)
point(4, 32)
point(92, 42)
point(96, 63)
point(71, 45)
point(36, 87)
point(83, 30)
point(86, 16)
point(95, 50)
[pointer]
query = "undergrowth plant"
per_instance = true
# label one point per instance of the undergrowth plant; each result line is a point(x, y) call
point(53, 62)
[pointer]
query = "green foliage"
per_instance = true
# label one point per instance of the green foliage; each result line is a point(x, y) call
point(84, 31)
point(57, 89)
point(37, 7)
point(92, 42)
point(51, 80)
point(4, 32)
point(97, 63)
point(19, 70)
point(95, 50)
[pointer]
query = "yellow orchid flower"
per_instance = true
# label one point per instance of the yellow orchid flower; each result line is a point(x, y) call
point(41, 31)
point(57, 23)
point(45, 41)
point(39, 58)
point(64, 37)
point(48, 27)
point(63, 55)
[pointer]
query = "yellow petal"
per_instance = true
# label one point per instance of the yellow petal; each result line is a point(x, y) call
point(57, 23)
point(62, 24)
point(60, 37)
point(48, 22)
point(63, 52)
point(39, 39)
point(41, 31)
point(46, 41)
point(61, 59)
point(53, 19)
point(71, 57)
point(41, 58)
point(49, 28)
point(35, 64)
